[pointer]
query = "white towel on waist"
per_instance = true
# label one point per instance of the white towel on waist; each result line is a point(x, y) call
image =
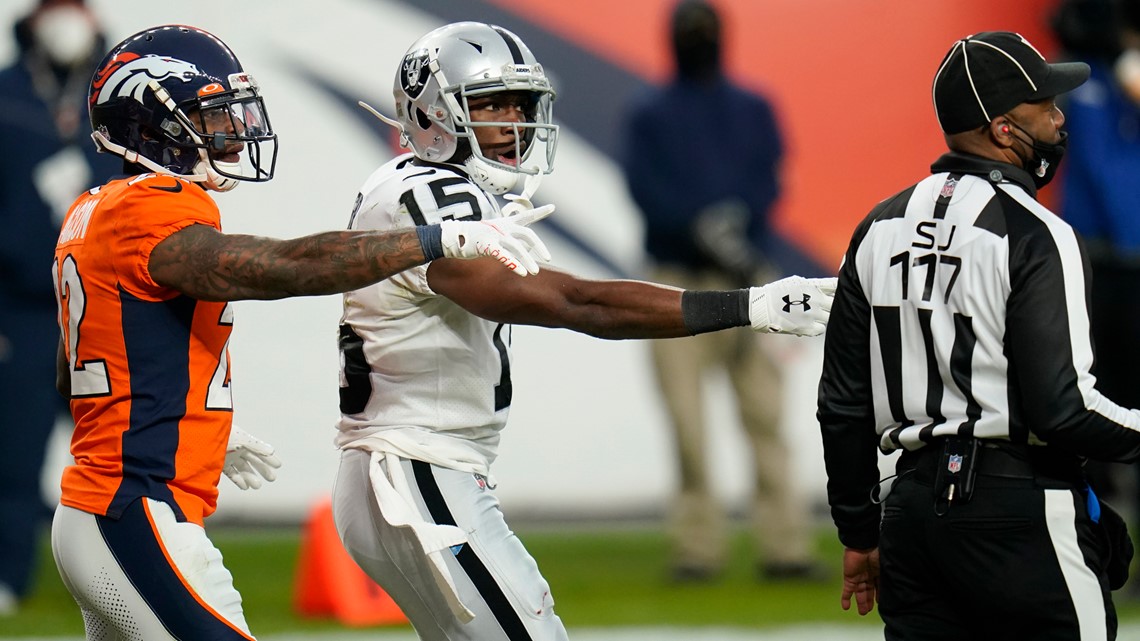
point(394, 498)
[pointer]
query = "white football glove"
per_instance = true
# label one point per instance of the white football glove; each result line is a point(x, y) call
point(792, 305)
point(249, 459)
point(506, 239)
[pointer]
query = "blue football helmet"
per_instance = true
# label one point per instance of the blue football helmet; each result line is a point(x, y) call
point(175, 100)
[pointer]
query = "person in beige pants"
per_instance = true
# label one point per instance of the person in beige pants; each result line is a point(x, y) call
point(778, 515)
point(706, 193)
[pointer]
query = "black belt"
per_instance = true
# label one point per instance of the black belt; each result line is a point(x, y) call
point(997, 459)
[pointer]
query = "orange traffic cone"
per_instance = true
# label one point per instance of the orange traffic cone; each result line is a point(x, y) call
point(329, 583)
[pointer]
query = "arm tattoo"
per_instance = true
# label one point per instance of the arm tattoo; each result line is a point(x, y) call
point(206, 264)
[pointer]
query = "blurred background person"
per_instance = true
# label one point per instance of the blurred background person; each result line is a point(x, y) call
point(46, 160)
point(702, 161)
point(1101, 199)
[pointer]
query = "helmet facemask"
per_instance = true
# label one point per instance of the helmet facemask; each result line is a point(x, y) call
point(498, 170)
point(231, 135)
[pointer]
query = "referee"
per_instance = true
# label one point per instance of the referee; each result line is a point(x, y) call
point(960, 337)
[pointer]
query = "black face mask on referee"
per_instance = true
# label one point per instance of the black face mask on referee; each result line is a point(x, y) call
point(1047, 156)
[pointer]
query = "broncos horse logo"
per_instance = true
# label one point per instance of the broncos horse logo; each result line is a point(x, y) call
point(129, 75)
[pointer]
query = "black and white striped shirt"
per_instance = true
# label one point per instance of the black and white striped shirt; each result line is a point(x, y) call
point(962, 308)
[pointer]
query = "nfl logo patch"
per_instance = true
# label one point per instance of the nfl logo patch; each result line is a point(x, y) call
point(954, 465)
point(948, 188)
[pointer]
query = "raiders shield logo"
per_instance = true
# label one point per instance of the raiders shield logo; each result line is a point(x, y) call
point(415, 73)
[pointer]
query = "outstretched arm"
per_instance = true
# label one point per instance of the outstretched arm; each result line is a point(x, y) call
point(614, 309)
point(205, 264)
point(624, 309)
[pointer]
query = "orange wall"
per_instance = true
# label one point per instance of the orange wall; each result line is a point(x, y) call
point(850, 80)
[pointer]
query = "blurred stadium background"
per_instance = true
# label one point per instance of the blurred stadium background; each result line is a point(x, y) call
point(586, 445)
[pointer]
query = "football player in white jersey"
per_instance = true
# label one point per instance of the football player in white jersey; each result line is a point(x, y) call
point(425, 376)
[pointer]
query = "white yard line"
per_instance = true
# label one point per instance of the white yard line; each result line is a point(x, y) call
point(792, 633)
point(1127, 632)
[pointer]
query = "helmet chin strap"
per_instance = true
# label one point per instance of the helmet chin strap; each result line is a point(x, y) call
point(204, 173)
point(211, 179)
point(530, 185)
point(206, 168)
point(495, 180)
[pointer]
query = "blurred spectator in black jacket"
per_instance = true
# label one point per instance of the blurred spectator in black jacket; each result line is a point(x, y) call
point(46, 160)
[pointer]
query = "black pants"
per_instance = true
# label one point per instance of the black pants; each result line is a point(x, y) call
point(29, 406)
point(1022, 560)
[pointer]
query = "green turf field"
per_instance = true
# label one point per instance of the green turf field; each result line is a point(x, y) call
point(600, 577)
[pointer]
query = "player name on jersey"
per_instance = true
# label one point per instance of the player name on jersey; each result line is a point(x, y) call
point(76, 226)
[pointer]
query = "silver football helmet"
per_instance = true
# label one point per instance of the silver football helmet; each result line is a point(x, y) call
point(443, 70)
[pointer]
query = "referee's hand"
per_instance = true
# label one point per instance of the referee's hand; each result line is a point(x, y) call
point(860, 578)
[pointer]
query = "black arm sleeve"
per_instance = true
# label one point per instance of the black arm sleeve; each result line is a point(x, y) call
point(846, 411)
point(1049, 348)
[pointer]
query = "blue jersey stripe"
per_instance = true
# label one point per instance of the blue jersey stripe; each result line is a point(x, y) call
point(157, 338)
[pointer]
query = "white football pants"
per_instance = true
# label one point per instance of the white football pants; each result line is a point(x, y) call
point(493, 575)
point(146, 577)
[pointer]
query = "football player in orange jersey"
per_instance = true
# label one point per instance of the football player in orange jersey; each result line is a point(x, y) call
point(143, 275)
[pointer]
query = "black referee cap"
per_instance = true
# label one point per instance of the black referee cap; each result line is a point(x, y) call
point(985, 75)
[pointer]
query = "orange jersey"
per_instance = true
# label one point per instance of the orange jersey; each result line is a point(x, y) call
point(149, 366)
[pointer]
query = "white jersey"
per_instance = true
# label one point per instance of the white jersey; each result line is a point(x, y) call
point(420, 376)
